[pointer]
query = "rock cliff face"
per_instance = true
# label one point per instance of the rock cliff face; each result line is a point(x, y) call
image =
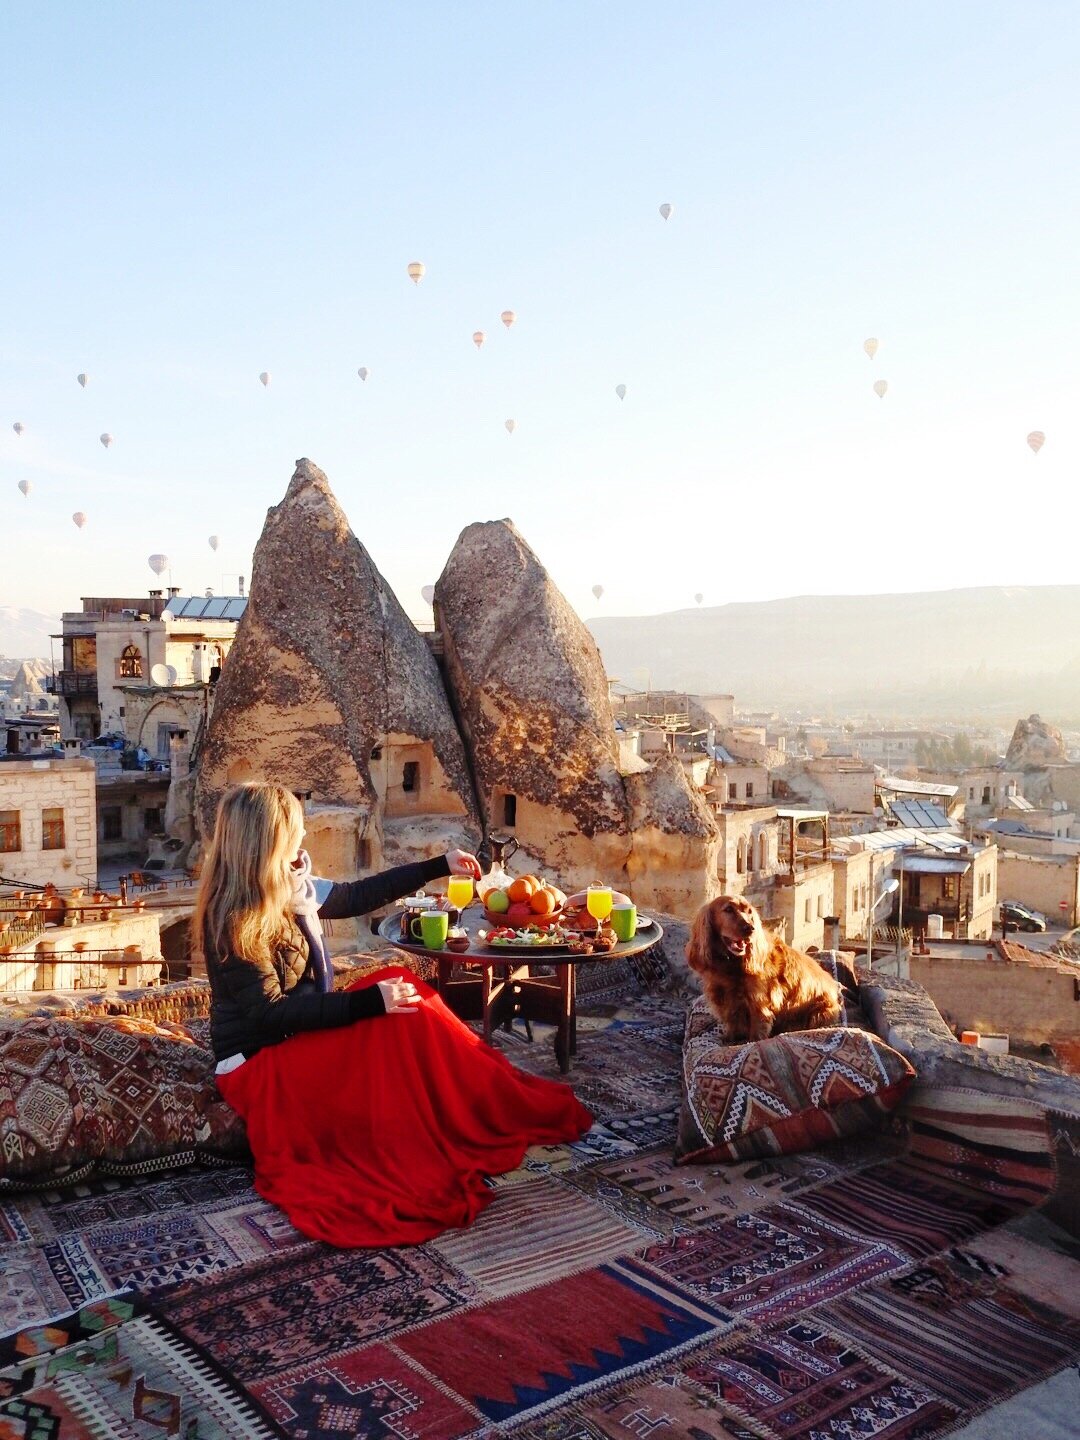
point(330, 691)
point(531, 695)
point(1035, 743)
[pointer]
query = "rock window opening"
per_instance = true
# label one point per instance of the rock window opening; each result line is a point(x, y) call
point(131, 663)
point(740, 857)
point(410, 776)
point(52, 829)
point(112, 827)
point(152, 820)
point(376, 752)
point(762, 852)
point(509, 809)
point(10, 832)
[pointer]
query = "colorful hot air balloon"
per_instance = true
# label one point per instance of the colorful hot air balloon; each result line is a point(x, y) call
point(880, 386)
point(427, 594)
point(79, 518)
point(508, 317)
point(215, 541)
point(18, 427)
point(667, 210)
point(598, 590)
point(478, 338)
point(511, 426)
point(363, 372)
point(620, 391)
point(106, 439)
point(158, 563)
point(417, 271)
point(1036, 440)
point(26, 486)
point(870, 346)
point(264, 377)
point(83, 379)
point(698, 598)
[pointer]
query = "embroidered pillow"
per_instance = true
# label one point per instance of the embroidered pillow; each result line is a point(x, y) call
point(778, 1096)
point(120, 1094)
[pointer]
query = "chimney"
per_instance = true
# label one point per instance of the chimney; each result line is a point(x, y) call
point(832, 933)
point(240, 587)
point(155, 594)
point(174, 590)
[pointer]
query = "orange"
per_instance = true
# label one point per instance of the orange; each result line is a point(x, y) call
point(522, 888)
point(543, 902)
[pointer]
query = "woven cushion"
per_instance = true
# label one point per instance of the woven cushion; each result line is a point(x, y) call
point(788, 1093)
point(115, 1093)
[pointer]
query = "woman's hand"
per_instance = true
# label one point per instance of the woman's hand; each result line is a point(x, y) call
point(399, 997)
point(462, 863)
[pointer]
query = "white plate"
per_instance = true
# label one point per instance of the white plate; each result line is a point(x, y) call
point(644, 923)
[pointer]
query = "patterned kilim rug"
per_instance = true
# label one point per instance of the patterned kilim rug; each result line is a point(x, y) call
point(870, 1291)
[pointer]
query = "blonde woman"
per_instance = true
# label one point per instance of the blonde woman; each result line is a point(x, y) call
point(372, 1133)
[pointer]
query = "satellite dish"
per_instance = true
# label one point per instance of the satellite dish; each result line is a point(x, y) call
point(163, 675)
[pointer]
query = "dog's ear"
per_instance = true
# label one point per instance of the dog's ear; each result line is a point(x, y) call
point(699, 948)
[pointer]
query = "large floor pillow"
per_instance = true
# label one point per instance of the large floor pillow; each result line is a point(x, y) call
point(774, 1097)
point(120, 1094)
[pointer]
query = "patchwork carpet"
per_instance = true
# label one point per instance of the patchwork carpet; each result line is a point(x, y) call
point(874, 1290)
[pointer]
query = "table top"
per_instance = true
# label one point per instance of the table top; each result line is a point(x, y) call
point(473, 919)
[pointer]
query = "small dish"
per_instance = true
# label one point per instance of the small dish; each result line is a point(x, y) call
point(644, 922)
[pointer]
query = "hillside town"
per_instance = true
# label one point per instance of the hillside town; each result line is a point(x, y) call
point(948, 856)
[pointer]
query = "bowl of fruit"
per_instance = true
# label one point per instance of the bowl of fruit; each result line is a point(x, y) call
point(527, 900)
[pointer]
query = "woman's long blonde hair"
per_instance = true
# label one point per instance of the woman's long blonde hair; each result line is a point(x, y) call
point(246, 888)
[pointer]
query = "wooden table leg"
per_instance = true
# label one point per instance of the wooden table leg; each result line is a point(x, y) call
point(564, 1036)
point(443, 981)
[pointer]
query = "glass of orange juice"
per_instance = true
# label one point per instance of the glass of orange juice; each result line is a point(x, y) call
point(598, 902)
point(459, 891)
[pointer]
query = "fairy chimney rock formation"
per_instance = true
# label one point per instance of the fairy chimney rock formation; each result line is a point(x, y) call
point(532, 698)
point(1034, 743)
point(330, 691)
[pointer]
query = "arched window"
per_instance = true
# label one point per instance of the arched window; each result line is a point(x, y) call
point(131, 663)
point(740, 857)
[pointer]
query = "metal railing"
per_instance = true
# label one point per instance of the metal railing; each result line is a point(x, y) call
point(72, 682)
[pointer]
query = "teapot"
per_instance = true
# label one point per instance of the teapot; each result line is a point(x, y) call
point(498, 877)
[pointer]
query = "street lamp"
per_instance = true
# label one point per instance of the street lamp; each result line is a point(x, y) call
point(891, 887)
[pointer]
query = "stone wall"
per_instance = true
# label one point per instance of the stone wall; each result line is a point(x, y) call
point(985, 992)
point(1043, 882)
point(29, 787)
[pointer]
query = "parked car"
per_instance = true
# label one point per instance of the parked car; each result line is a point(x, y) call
point(1022, 916)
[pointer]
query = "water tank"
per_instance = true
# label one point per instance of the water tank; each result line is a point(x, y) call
point(935, 927)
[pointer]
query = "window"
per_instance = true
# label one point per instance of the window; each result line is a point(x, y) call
point(949, 887)
point(509, 809)
point(152, 820)
point(376, 752)
point(762, 851)
point(986, 795)
point(806, 910)
point(732, 791)
point(971, 792)
point(131, 663)
point(52, 829)
point(855, 899)
point(749, 789)
point(740, 857)
point(10, 832)
point(820, 906)
point(410, 776)
point(112, 826)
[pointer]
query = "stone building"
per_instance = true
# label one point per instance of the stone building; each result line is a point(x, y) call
point(48, 832)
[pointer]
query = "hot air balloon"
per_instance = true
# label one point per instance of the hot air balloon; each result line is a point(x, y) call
point(417, 271)
point(698, 598)
point(508, 317)
point(870, 346)
point(880, 386)
point(83, 379)
point(106, 439)
point(158, 563)
point(1036, 440)
point(667, 210)
point(598, 590)
point(26, 486)
point(264, 377)
point(79, 518)
point(215, 541)
point(478, 338)
point(363, 372)
point(620, 391)
point(427, 594)
point(511, 426)
point(18, 427)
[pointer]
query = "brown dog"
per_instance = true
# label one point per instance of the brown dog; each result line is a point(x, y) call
point(755, 983)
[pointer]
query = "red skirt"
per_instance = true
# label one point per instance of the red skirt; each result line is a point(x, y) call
point(381, 1132)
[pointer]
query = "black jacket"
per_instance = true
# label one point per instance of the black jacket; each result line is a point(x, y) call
point(253, 1003)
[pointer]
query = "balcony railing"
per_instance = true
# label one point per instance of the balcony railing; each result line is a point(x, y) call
point(73, 682)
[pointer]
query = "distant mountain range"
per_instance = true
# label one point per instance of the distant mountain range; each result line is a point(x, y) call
point(993, 651)
point(24, 634)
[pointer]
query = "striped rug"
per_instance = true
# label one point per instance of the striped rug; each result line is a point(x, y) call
point(997, 1144)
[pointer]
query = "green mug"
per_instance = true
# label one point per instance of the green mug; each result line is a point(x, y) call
point(624, 921)
point(434, 925)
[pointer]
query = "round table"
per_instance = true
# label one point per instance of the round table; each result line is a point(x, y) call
point(502, 985)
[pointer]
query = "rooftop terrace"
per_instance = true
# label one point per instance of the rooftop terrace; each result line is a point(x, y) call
point(903, 1285)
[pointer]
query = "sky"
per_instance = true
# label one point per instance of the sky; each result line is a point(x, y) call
point(199, 193)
